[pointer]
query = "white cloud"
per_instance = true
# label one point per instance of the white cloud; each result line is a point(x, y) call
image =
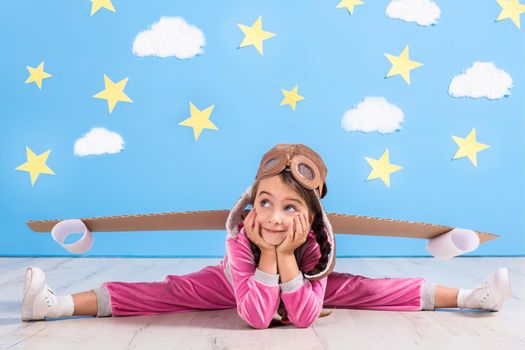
point(482, 79)
point(373, 114)
point(423, 12)
point(170, 36)
point(98, 141)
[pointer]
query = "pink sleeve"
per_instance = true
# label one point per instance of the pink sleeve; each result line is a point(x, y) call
point(303, 298)
point(256, 292)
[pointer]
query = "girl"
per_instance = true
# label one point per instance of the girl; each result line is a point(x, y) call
point(278, 265)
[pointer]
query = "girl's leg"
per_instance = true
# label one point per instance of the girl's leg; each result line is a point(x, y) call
point(85, 303)
point(446, 297)
point(206, 289)
point(345, 290)
point(359, 292)
point(488, 295)
point(202, 290)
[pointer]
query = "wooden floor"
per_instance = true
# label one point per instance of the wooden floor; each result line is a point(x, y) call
point(343, 329)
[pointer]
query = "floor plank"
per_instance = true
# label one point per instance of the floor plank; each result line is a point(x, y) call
point(223, 329)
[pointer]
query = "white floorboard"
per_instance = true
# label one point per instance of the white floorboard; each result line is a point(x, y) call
point(343, 329)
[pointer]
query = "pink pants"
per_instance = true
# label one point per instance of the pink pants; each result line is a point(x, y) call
point(209, 289)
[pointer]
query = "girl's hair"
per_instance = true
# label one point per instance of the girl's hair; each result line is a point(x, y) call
point(317, 224)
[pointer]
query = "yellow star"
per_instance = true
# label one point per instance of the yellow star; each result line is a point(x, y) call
point(254, 35)
point(36, 75)
point(98, 4)
point(291, 97)
point(511, 9)
point(381, 168)
point(468, 147)
point(402, 65)
point(113, 92)
point(35, 165)
point(349, 4)
point(199, 120)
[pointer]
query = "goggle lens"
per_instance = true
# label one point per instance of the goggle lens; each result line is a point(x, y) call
point(271, 163)
point(306, 171)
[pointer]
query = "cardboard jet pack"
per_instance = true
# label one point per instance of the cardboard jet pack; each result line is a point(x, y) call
point(443, 241)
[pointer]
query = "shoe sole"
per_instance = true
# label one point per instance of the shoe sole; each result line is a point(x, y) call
point(502, 280)
point(34, 283)
point(506, 282)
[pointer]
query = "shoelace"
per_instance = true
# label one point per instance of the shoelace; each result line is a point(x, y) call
point(487, 293)
point(47, 299)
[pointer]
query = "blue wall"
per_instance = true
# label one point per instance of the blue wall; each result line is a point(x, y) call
point(335, 58)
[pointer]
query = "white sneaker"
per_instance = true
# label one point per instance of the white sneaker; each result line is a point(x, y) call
point(492, 292)
point(39, 298)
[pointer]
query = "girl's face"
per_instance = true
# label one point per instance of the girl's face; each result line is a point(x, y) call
point(276, 203)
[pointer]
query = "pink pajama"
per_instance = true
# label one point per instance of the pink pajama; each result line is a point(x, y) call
point(236, 282)
point(209, 289)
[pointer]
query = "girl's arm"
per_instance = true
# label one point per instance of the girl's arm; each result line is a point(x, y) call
point(287, 265)
point(256, 291)
point(268, 262)
point(302, 298)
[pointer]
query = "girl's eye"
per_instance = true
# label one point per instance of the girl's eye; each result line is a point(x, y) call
point(291, 206)
point(262, 202)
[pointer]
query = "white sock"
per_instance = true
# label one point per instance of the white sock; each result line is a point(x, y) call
point(466, 300)
point(64, 306)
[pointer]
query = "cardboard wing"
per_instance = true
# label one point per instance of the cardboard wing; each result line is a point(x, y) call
point(444, 241)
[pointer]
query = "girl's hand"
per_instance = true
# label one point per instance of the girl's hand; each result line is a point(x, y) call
point(253, 231)
point(296, 235)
